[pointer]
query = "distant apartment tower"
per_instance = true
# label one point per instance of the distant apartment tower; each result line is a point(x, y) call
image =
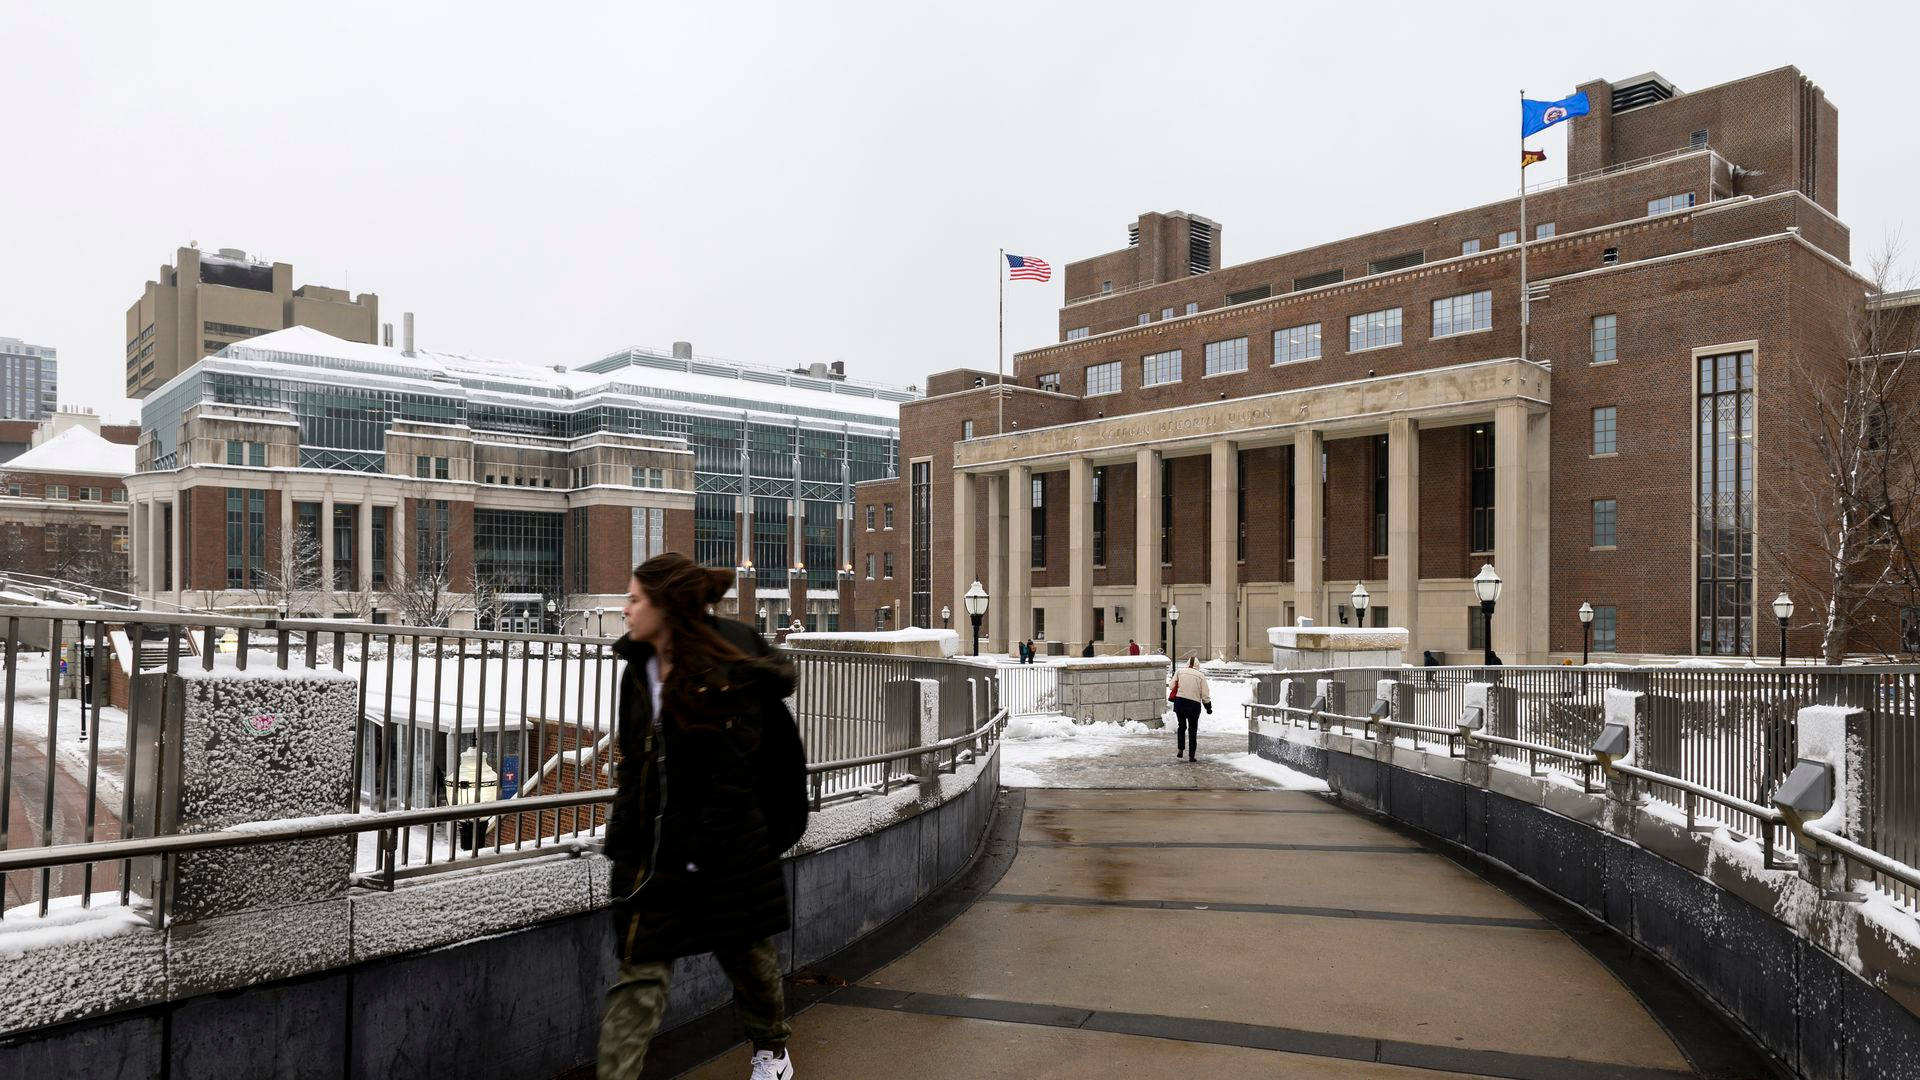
point(208, 300)
point(29, 380)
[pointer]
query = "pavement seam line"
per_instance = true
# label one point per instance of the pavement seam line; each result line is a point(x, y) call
point(1429, 918)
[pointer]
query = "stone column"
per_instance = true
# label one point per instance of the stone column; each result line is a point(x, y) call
point(1079, 624)
point(997, 621)
point(1520, 533)
point(1403, 529)
point(963, 555)
point(1019, 594)
point(326, 541)
point(1309, 594)
point(1146, 548)
point(156, 548)
point(173, 553)
point(364, 539)
point(1223, 579)
point(399, 544)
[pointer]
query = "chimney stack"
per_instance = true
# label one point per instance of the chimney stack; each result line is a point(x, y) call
point(683, 350)
point(840, 369)
point(408, 320)
point(386, 335)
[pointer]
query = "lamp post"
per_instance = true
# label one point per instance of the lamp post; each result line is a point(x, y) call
point(1783, 610)
point(1486, 585)
point(551, 608)
point(768, 627)
point(946, 617)
point(1173, 634)
point(1586, 631)
point(975, 602)
point(1360, 599)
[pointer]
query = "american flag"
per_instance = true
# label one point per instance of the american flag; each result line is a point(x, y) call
point(1027, 268)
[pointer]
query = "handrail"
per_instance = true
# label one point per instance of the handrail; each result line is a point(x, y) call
point(1893, 868)
point(1765, 813)
point(1538, 748)
point(914, 751)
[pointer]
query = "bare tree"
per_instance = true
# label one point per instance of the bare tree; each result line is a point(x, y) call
point(1852, 496)
point(489, 601)
point(423, 593)
point(291, 586)
point(13, 547)
point(81, 552)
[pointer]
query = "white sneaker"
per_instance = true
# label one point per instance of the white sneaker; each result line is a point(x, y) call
point(768, 1067)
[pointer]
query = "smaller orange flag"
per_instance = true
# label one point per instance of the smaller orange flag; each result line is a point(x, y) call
point(1528, 157)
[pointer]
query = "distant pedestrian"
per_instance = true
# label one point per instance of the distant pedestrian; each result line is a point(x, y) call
point(699, 872)
point(1189, 695)
point(1133, 647)
point(1088, 651)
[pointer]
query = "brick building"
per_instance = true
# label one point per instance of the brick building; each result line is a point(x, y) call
point(299, 473)
point(1250, 441)
point(63, 513)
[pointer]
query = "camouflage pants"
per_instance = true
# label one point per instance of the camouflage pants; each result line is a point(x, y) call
point(638, 999)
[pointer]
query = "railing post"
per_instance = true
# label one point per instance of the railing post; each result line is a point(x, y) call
point(1619, 744)
point(1824, 791)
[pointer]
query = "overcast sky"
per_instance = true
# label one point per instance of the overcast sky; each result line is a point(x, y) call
point(789, 183)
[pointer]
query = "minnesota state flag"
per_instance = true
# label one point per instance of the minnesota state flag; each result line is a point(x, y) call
point(1537, 116)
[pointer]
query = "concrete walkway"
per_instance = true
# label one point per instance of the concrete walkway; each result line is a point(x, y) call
point(1226, 932)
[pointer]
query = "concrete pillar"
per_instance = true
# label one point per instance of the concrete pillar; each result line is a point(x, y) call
point(173, 554)
point(399, 545)
point(997, 614)
point(1223, 579)
point(1019, 592)
point(364, 539)
point(156, 551)
point(1403, 529)
point(326, 542)
point(1079, 625)
point(1309, 594)
point(1520, 519)
point(964, 540)
point(1146, 548)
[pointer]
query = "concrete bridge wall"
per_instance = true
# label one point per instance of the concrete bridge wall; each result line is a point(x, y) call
point(1829, 992)
point(514, 997)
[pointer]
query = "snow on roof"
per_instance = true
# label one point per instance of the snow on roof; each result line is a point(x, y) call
point(76, 450)
point(574, 385)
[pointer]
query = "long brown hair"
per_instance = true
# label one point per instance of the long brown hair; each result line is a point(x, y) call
point(683, 591)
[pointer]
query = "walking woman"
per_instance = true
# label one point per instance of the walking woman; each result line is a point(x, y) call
point(712, 789)
point(1189, 695)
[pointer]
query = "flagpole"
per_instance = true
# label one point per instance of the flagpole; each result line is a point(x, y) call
point(1000, 355)
point(1526, 311)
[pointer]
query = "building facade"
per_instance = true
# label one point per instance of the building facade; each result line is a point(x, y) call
point(29, 380)
point(208, 300)
point(1247, 443)
point(63, 513)
point(301, 474)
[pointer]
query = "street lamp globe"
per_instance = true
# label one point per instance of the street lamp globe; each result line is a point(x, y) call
point(975, 600)
point(552, 607)
point(1360, 604)
point(946, 615)
point(1586, 613)
point(1173, 613)
point(1486, 584)
point(1783, 607)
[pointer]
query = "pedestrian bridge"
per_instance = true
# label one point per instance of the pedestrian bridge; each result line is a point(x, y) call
point(1439, 872)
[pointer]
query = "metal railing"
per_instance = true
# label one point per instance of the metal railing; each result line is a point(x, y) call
point(469, 745)
point(1027, 689)
point(1713, 743)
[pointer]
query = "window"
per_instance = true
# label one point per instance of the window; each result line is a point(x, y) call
point(1543, 230)
point(1100, 516)
point(378, 527)
point(88, 494)
point(886, 565)
point(1476, 629)
point(966, 429)
point(869, 521)
point(1470, 247)
point(236, 452)
point(1226, 356)
point(1604, 337)
point(1103, 379)
point(440, 468)
point(1193, 307)
point(56, 491)
point(1603, 429)
point(1145, 318)
point(1296, 343)
point(921, 534)
point(1166, 511)
point(422, 466)
point(1314, 281)
point(1697, 140)
point(870, 561)
point(1040, 623)
point(1166, 313)
point(1480, 483)
point(1463, 314)
point(1605, 515)
point(1396, 262)
point(1379, 496)
point(1725, 512)
point(1078, 332)
point(887, 519)
point(1610, 256)
point(1050, 382)
point(345, 522)
point(1245, 296)
point(1374, 330)
point(1099, 624)
point(1605, 623)
point(1670, 203)
point(1106, 286)
point(1509, 238)
point(1037, 523)
point(117, 495)
point(119, 539)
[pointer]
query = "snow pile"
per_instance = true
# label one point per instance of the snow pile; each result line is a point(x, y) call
point(66, 923)
point(1055, 726)
point(947, 641)
point(1275, 773)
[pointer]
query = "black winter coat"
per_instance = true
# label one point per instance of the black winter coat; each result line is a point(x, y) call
point(706, 806)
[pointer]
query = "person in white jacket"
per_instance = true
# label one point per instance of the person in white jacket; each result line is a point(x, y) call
point(1189, 695)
